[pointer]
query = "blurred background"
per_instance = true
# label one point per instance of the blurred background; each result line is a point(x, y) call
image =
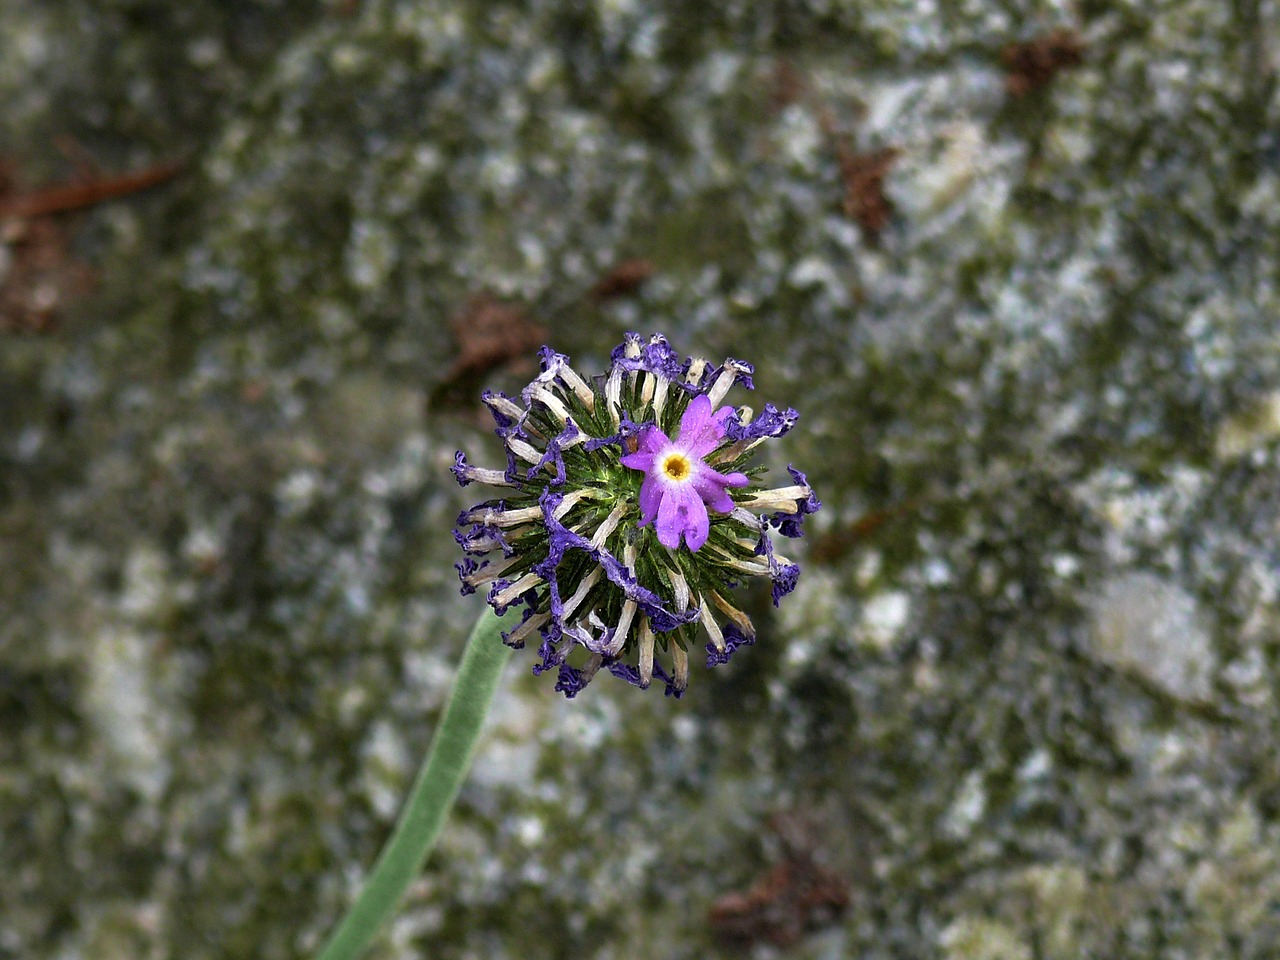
point(1016, 264)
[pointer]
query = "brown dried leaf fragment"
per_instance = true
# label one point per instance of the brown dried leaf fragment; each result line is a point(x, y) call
point(864, 197)
point(625, 278)
point(489, 334)
point(786, 85)
point(76, 196)
point(834, 546)
point(1033, 64)
point(796, 896)
point(39, 277)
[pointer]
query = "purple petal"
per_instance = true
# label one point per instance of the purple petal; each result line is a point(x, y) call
point(465, 569)
point(640, 460)
point(696, 532)
point(682, 512)
point(652, 440)
point(711, 487)
point(700, 430)
point(694, 421)
point(650, 499)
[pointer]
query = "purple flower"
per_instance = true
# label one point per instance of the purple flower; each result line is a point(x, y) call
point(593, 556)
point(678, 486)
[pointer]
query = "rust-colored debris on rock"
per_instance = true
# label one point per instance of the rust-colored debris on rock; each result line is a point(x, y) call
point(864, 196)
point(1033, 64)
point(490, 333)
point(795, 897)
point(786, 85)
point(835, 545)
point(76, 196)
point(863, 174)
point(625, 278)
point(39, 275)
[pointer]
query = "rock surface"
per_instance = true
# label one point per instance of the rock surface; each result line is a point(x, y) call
point(1018, 272)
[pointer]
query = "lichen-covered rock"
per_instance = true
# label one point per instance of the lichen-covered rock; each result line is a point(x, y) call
point(1018, 271)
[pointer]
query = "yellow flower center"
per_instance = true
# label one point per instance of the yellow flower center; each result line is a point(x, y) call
point(676, 466)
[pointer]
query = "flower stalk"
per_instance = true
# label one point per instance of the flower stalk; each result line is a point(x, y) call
point(434, 791)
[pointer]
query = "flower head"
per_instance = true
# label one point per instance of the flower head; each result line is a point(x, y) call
point(618, 540)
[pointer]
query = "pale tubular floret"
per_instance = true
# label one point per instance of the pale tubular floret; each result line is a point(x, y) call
point(517, 636)
point(724, 380)
point(613, 393)
point(740, 619)
point(609, 525)
point(735, 450)
point(505, 406)
point(622, 629)
point(578, 386)
point(646, 388)
point(570, 501)
point(494, 478)
point(593, 621)
point(591, 667)
point(523, 450)
point(631, 350)
point(660, 395)
point(502, 518)
point(484, 544)
point(681, 658)
point(507, 595)
point(646, 651)
point(681, 587)
point(781, 499)
point(579, 437)
point(549, 400)
point(628, 608)
point(580, 594)
point(713, 628)
point(696, 366)
point(489, 572)
point(738, 447)
point(757, 568)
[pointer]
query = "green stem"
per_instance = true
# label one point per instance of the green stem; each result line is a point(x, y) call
point(433, 792)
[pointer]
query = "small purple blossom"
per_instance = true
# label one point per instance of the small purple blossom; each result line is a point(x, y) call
point(772, 423)
point(592, 552)
point(734, 639)
point(789, 525)
point(569, 681)
point(678, 486)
